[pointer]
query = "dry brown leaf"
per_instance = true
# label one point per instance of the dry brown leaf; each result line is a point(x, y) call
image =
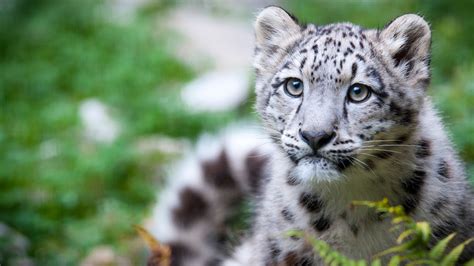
point(160, 254)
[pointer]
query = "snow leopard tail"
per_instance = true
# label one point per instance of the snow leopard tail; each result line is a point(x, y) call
point(204, 191)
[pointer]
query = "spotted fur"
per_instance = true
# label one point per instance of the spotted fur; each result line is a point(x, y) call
point(204, 191)
point(392, 144)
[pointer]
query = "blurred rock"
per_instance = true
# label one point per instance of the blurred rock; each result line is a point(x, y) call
point(104, 256)
point(98, 123)
point(228, 43)
point(162, 144)
point(48, 149)
point(124, 10)
point(216, 91)
point(13, 247)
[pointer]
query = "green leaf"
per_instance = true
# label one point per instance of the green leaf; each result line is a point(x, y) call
point(376, 262)
point(438, 250)
point(422, 262)
point(294, 233)
point(425, 231)
point(453, 256)
point(399, 248)
point(404, 235)
point(394, 261)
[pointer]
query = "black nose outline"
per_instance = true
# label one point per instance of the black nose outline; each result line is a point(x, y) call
point(316, 139)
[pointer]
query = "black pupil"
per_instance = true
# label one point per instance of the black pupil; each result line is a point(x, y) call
point(357, 90)
point(296, 84)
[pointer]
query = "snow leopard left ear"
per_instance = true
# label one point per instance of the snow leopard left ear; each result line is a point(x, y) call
point(275, 30)
point(407, 39)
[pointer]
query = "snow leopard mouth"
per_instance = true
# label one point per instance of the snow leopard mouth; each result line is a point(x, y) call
point(317, 168)
point(339, 163)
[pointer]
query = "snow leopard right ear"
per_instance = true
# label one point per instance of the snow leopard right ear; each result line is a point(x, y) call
point(407, 40)
point(275, 30)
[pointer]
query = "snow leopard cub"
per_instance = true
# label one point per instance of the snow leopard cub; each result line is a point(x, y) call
point(349, 113)
point(350, 119)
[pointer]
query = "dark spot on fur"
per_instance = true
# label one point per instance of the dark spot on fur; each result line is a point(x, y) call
point(360, 57)
point(406, 51)
point(343, 163)
point(321, 224)
point(343, 215)
point(180, 253)
point(303, 62)
point(305, 261)
point(439, 205)
point(370, 164)
point(274, 249)
point(310, 201)
point(383, 154)
point(409, 204)
point(291, 259)
point(443, 171)
point(293, 181)
point(409, 68)
point(395, 109)
point(214, 262)
point(354, 228)
point(424, 82)
point(192, 207)
point(407, 117)
point(256, 163)
point(402, 139)
point(412, 186)
point(423, 149)
point(354, 70)
point(344, 111)
point(373, 73)
point(442, 230)
point(298, 108)
point(277, 83)
point(288, 215)
point(217, 172)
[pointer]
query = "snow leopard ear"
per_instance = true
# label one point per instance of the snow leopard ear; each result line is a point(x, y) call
point(275, 30)
point(407, 39)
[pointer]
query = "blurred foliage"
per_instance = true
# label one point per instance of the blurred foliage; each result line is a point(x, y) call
point(67, 195)
point(452, 85)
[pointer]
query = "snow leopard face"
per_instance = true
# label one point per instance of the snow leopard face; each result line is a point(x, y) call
point(339, 97)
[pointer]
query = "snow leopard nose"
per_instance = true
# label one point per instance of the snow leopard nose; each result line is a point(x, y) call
point(316, 139)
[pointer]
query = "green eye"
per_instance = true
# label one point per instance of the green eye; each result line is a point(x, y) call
point(359, 92)
point(294, 87)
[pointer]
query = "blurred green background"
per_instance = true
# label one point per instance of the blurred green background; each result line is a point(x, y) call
point(63, 195)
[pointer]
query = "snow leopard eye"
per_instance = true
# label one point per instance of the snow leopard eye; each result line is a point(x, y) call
point(294, 87)
point(359, 92)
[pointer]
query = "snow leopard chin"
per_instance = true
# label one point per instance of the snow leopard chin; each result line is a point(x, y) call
point(312, 169)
